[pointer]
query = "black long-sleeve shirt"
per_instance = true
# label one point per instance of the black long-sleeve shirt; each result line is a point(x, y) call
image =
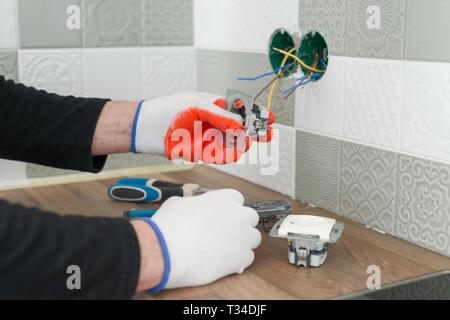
point(36, 247)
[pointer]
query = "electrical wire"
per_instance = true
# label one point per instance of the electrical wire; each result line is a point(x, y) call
point(275, 83)
point(265, 74)
point(304, 65)
point(311, 78)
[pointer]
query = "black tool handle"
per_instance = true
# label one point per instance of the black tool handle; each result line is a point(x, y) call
point(169, 192)
point(164, 184)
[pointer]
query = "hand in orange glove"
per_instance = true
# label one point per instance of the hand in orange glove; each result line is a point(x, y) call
point(191, 126)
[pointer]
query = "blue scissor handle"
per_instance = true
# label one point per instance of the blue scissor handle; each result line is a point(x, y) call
point(134, 193)
point(140, 213)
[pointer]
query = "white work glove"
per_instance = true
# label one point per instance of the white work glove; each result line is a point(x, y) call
point(205, 238)
point(156, 123)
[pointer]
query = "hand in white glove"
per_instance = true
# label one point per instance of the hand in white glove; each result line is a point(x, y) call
point(158, 123)
point(205, 238)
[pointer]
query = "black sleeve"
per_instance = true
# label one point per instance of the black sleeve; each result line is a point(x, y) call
point(36, 249)
point(48, 129)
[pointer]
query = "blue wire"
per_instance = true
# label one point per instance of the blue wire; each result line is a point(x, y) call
point(323, 63)
point(314, 77)
point(265, 74)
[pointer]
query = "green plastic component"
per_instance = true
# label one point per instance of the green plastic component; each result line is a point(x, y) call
point(312, 44)
point(281, 39)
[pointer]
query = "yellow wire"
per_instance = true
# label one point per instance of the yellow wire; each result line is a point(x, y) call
point(304, 65)
point(275, 84)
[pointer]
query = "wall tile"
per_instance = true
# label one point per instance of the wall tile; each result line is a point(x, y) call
point(8, 64)
point(367, 37)
point(122, 69)
point(167, 22)
point(373, 101)
point(424, 203)
point(167, 71)
point(43, 24)
point(8, 32)
point(117, 161)
point(427, 31)
point(319, 106)
point(368, 186)
point(11, 171)
point(218, 71)
point(108, 23)
point(317, 171)
point(271, 165)
point(57, 71)
point(327, 17)
point(426, 110)
point(236, 24)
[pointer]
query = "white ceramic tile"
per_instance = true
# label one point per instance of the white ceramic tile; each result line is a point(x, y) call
point(426, 110)
point(167, 70)
point(271, 165)
point(238, 24)
point(113, 73)
point(11, 171)
point(319, 106)
point(373, 101)
point(8, 24)
point(56, 71)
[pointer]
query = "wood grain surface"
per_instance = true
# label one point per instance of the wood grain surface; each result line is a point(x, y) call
point(271, 276)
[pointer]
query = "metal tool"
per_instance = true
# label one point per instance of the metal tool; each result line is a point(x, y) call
point(308, 250)
point(267, 210)
point(270, 211)
point(256, 118)
point(151, 190)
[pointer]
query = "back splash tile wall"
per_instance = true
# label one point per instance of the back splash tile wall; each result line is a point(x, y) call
point(42, 23)
point(401, 195)
point(103, 23)
point(317, 171)
point(111, 23)
point(218, 71)
point(57, 71)
point(423, 215)
point(167, 22)
point(8, 21)
point(368, 186)
point(8, 64)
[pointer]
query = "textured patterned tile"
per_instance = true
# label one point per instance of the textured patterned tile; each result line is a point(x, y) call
point(428, 25)
point(43, 24)
point(319, 106)
point(57, 71)
point(376, 28)
point(8, 64)
point(108, 23)
point(167, 70)
point(426, 110)
point(327, 17)
point(218, 71)
point(11, 171)
point(167, 22)
point(368, 186)
point(117, 161)
point(8, 32)
point(373, 101)
point(271, 165)
point(236, 24)
point(120, 67)
point(317, 171)
point(424, 204)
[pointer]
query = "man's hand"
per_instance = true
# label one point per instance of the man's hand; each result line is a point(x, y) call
point(203, 239)
point(190, 126)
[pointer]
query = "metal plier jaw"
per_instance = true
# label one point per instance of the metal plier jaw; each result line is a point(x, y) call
point(256, 118)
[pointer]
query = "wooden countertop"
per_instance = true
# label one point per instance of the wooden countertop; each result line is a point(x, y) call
point(271, 276)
